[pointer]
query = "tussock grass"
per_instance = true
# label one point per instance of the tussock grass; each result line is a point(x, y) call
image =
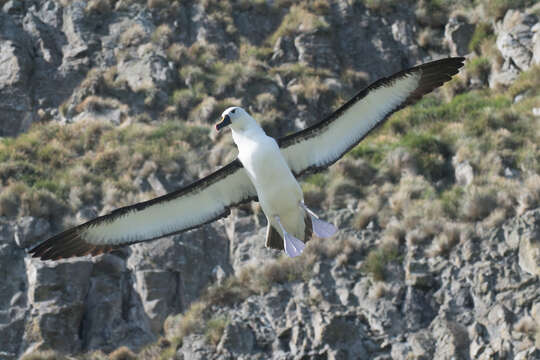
point(215, 328)
point(427, 38)
point(299, 17)
point(482, 33)
point(162, 35)
point(133, 36)
point(526, 325)
point(43, 355)
point(122, 353)
point(378, 259)
point(98, 7)
point(381, 6)
point(497, 8)
point(445, 241)
point(479, 68)
point(52, 168)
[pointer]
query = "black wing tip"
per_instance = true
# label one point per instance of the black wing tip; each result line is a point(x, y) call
point(67, 244)
point(433, 75)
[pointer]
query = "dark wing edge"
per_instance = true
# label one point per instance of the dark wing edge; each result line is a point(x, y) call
point(433, 75)
point(70, 243)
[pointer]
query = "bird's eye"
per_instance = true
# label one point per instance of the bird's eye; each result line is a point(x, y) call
point(233, 110)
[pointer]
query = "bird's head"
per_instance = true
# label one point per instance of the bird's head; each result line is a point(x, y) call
point(237, 118)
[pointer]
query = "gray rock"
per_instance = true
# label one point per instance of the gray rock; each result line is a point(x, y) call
point(195, 347)
point(515, 42)
point(30, 230)
point(316, 49)
point(453, 342)
point(15, 78)
point(536, 41)
point(237, 337)
point(284, 50)
point(14, 311)
point(457, 35)
point(170, 273)
point(57, 292)
point(13, 7)
point(463, 172)
point(529, 244)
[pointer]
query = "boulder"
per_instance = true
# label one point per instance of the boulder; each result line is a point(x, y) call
point(515, 41)
point(457, 35)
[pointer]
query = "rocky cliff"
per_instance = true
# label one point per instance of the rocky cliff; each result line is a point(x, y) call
point(104, 103)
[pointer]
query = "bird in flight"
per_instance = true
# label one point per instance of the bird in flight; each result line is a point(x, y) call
point(265, 170)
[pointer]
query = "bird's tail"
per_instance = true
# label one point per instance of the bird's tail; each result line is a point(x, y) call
point(275, 241)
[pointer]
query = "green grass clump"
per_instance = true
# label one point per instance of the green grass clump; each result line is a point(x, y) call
point(527, 83)
point(479, 67)
point(380, 5)
point(215, 328)
point(497, 8)
point(451, 200)
point(48, 163)
point(299, 16)
point(377, 260)
point(373, 153)
point(482, 33)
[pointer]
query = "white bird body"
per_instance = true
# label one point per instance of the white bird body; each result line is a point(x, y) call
point(277, 189)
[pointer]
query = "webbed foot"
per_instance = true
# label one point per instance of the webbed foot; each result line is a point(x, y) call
point(293, 246)
point(321, 228)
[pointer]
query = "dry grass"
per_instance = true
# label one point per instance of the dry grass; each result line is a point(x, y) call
point(479, 68)
point(163, 36)
point(364, 217)
point(477, 204)
point(215, 328)
point(380, 6)
point(400, 161)
point(482, 33)
point(133, 36)
point(97, 104)
point(379, 290)
point(157, 4)
point(394, 229)
point(526, 325)
point(427, 38)
point(445, 242)
point(377, 259)
point(43, 355)
point(298, 18)
point(498, 8)
point(416, 237)
point(432, 13)
point(189, 322)
point(98, 6)
point(530, 195)
point(340, 190)
point(123, 353)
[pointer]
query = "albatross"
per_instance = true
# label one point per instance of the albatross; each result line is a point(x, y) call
point(265, 170)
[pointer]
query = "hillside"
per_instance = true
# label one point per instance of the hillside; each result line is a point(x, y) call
point(105, 103)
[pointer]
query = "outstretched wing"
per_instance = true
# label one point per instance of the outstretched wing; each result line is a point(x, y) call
point(201, 202)
point(322, 144)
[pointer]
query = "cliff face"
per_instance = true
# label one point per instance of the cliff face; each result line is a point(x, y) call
point(104, 103)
